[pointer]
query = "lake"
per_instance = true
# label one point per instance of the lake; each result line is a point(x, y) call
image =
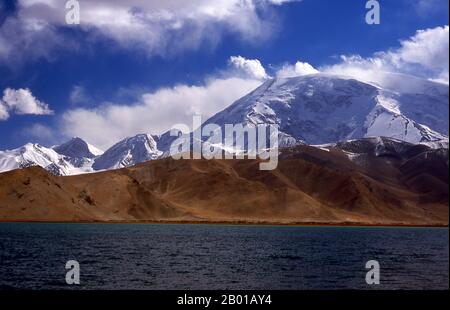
point(147, 256)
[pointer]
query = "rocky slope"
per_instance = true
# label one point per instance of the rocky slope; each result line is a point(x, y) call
point(369, 181)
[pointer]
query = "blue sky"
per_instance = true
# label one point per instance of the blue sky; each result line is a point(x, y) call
point(97, 79)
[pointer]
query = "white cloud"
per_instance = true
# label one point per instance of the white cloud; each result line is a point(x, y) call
point(39, 133)
point(428, 48)
point(251, 68)
point(4, 114)
point(27, 38)
point(155, 112)
point(426, 55)
point(21, 101)
point(157, 27)
point(298, 69)
point(78, 95)
point(158, 111)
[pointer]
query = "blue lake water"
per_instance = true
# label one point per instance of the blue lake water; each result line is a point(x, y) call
point(141, 256)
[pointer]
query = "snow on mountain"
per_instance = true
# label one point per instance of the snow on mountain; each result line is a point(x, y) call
point(73, 157)
point(405, 84)
point(128, 152)
point(320, 108)
point(317, 109)
point(94, 150)
point(35, 155)
point(77, 156)
point(78, 151)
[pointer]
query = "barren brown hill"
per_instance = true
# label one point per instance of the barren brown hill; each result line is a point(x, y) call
point(310, 186)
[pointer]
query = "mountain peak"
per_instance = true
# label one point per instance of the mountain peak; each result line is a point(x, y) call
point(324, 108)
point(75, 147)
point(34, 155)
point(128, 152)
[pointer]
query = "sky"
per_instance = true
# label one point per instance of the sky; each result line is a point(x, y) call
point(140, 66)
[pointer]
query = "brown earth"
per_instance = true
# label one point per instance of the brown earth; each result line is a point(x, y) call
point(310, 186)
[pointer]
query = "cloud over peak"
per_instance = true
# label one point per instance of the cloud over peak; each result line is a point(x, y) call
point(298, 69)
point(251, 68)
point(154, 112)
point(425, 55)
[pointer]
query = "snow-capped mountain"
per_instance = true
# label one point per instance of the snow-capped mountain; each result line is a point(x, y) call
point(73, 157)
point(77, 156)
point(128, 152)
point(321, 108)
point(78, 152)
point(35, 155)
point(314, 109)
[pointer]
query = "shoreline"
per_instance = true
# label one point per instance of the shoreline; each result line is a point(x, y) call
point(238, 223)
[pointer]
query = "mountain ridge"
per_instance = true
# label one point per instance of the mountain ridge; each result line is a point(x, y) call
point(314, 109)
point(392, 183)
point(320, 109)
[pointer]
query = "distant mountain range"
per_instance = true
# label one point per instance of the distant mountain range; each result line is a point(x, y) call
point(73, 157)
point(316, 109)
point(372, 181)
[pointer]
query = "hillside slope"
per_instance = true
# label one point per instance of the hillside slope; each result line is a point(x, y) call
point(354, 183)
